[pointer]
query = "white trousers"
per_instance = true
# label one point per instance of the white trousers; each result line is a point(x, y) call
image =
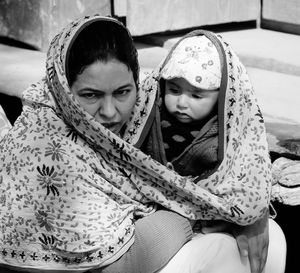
point(218, 253)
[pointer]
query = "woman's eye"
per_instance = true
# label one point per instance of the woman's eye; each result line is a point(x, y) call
point(89, 95)
point(122, 92)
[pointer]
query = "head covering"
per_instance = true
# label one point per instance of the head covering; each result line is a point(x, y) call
point(197, 60)
point(70, 189)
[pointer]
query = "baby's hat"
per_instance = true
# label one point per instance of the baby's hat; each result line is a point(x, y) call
point(197, 60)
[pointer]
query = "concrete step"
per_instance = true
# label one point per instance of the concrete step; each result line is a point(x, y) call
point(19, 68)
point(278, 95)
point(260, 48)
point(272, 59)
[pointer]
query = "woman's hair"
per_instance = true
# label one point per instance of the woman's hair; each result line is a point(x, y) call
point(101, 41)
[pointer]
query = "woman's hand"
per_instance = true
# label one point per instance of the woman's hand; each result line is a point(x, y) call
point(252, 240)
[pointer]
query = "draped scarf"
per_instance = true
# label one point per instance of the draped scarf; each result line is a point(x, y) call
point(241, 185)
point(70, 189)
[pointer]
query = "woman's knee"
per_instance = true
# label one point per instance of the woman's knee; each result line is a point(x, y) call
point(277, 249)
point(208, 253)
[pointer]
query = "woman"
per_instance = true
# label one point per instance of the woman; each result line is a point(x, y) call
point(70, 206)
point(71, 187)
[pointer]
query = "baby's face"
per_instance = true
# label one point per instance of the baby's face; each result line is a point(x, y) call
point(188, 103)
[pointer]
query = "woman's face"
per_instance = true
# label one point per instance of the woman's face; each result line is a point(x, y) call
point(107, 91)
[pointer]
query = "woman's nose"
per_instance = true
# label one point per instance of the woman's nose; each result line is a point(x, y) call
point(107, 109)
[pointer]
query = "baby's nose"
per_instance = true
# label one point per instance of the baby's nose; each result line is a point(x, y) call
point(182, 101)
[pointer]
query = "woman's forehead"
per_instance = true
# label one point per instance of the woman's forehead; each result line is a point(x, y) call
point(103, 76)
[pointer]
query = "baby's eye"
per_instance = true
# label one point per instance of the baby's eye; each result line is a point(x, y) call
point(174, 91)
point(196, 96)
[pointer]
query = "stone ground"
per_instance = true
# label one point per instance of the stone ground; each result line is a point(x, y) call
point(272, 59)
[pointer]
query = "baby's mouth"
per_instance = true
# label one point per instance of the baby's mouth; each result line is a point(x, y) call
point(182, 115)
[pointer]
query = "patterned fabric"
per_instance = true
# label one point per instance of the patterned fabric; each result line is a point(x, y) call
point(286, 182)
point(242, 181)
point(4, 123)
point(202, 151)
point(196, 60)
point(70, 189)
point(176, 135)
point(199, 157)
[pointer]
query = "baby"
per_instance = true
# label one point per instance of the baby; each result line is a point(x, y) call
point(190, 83)
point(208, 127)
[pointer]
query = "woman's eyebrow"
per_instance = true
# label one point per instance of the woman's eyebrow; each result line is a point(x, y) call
point(101, 91)
point(125, 86)
point(91, 89)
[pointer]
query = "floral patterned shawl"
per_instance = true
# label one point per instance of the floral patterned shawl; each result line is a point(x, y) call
point(241, 184)
point(70, 189)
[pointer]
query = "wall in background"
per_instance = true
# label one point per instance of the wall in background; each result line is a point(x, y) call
point(152, 16)
point(35, 22)
point(281, 15)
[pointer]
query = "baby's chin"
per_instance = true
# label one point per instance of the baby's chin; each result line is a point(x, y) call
point(184, 121)
point(183, 118)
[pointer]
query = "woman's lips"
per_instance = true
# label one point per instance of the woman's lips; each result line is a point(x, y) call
point(112, 126)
